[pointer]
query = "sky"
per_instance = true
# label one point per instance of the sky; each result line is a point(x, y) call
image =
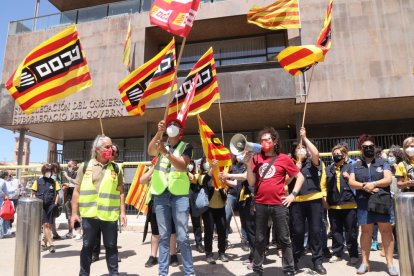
point(16, 10)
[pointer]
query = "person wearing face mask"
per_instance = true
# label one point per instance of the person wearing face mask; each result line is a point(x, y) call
point(56, 176)
point(70, 175)
point(46, 189)
point(99, 197)
point(309, 204)
point(371, 177)
point(170, 186)
point(267, 172)
point(405, 169)
point(342, 207)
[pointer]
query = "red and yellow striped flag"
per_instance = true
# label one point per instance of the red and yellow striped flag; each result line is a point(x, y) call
point(137, 192)
point(214, 149)
point(283, 14)
point(324, 39)
point(206, 91)
point(298, 59)
point(53, 70)
point(150, 81)
point(126, 59)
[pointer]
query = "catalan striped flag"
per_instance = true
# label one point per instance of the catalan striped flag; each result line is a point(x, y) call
point(324, 39)
point(298, 59)
point(214, 150)
point(53, 70)
point(126, 58)
point(206, 88)
point(137, 192)
point(283, 14)
point(150, 81)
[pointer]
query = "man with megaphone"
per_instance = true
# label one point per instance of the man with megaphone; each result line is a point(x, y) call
point(267, 171)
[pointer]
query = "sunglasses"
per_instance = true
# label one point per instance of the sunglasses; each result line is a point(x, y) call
point(365, 147)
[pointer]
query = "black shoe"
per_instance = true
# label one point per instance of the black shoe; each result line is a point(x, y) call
point(320, 269)
point(95, 258)
point(151, 261)
point(57, 237)
point(289, 273)
point(245, 246)
point(200, 248)
point(174, 261)
point(327, 253)
point(223, 257)
point(210, 259)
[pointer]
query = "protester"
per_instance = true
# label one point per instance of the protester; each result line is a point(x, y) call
point(4, 224)
point(13, 193)
point(99, 197)
point(215, 215)
point(405, 169)
point(170, 186)
point(155, 234)
point(70, 175)
point(267, 172)
point(47, 189)
point(56, 170)
point(371, 177)
point(195, 213)
point(308, 207)
point(342, 206)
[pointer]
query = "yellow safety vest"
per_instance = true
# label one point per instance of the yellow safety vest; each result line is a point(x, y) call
point(103, 204)
point(166, 176)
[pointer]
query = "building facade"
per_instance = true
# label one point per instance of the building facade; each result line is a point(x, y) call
point(365, 85)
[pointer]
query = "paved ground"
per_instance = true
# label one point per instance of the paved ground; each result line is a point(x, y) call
point(134, 254)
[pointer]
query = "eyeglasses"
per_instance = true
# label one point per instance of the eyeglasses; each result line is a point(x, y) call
point(365, 147)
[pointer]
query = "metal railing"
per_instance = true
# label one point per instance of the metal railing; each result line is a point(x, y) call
point(82, 15)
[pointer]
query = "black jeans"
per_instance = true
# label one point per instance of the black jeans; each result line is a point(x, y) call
point(344, 220)
point(215, 217)
point(247, 218)
point(280, 217)
point(110, 238)
point(196, 222)
point(97, 246)
point(312, 212)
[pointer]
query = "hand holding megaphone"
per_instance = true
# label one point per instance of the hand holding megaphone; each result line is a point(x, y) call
point(240, 145)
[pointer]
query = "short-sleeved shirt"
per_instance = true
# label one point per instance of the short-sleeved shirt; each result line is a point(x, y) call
point(98, 171)
point(272, 188)
point(401, 171)
point(34, 186)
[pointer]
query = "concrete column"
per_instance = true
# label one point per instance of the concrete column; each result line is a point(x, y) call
point(147, 140)
point(51, 150)
point(20, 153)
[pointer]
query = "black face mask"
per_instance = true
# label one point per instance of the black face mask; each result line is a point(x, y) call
point(369, 153)
point(337, 158)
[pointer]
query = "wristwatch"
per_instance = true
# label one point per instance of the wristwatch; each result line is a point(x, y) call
point(294, 193)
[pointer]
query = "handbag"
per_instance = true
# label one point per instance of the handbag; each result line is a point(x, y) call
point(380, 203)
point(57, 210)
point(7, 210)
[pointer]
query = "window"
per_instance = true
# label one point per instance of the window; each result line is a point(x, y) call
point(246, 50)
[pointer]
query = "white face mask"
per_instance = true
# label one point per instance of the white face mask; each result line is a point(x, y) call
point(206, 166)
point(384, 156)
point(48, 174)
point(173, 131)
point(301, 153)
point(240, 158)
point(190, 168)
point(54, 177)
point(409, 151)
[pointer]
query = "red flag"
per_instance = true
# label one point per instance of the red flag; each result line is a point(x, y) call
point(174, 16)
point(182, 115)
point(324, 39)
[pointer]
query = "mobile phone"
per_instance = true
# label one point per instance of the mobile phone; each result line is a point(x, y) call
point(76, 225)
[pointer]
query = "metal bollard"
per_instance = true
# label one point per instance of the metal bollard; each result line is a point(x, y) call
point(404, 214)
point(27, 252)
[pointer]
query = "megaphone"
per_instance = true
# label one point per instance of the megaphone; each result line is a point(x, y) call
point(239, 144)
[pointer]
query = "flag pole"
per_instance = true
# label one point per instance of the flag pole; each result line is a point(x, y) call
point(100, 122)
point(143, 200)
point(306, 101)
point(171, 94)
point(221, 122)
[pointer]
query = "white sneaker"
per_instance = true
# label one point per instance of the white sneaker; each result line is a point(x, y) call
point(77, 237)
point(354, 260)
point(335, 259)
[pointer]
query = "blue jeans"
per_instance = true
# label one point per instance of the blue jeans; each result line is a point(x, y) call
point(232, 201)
point(109, 230)
point(166, 206)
